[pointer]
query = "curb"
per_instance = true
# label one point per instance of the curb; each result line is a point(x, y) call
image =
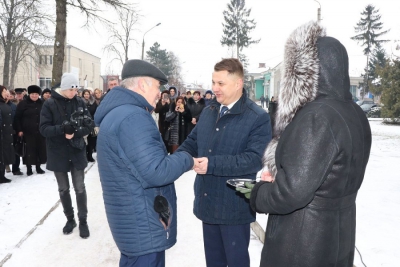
point(9, 255)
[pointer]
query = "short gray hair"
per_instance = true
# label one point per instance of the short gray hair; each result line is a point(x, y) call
point(132, 82)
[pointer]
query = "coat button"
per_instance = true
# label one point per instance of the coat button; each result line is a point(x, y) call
point(209, 150)
point(217, 129)
point(205, 194)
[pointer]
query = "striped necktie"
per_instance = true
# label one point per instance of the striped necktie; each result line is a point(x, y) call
point(224, 109)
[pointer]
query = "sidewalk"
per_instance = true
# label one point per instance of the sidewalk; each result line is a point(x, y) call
point(47, 246)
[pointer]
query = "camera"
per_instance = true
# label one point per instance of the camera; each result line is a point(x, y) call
point(78, 119)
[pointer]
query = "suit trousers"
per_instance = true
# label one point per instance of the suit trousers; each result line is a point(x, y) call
point(226, 245)
point(156, 259)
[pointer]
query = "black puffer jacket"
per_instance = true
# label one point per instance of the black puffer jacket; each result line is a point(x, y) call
point(322, 142)
point(59, 151)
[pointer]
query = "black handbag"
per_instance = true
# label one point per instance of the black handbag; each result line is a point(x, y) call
point(167, 134)
point(20, 146)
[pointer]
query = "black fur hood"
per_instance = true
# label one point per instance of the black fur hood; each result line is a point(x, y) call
point(314, 65)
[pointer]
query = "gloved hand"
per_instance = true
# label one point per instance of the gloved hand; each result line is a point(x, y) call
point(68, 129)
point(246, 191)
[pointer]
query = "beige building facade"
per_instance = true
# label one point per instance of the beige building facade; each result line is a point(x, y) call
point(38, 69)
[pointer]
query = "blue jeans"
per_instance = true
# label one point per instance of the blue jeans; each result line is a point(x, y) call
point(78, 177)
point(156, 259)
point(226, 245)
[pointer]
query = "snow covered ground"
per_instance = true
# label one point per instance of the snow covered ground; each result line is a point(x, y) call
point(31, 218)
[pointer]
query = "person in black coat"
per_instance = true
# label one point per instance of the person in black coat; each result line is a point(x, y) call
point(7, 155)
point(195, 105)
point(91, 139)
point(179, 123)
point(66, 150)
point(317, 159)
point(162, 108)
point(26, 124)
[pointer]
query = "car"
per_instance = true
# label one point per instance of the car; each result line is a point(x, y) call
point(375, 112)
point(366, 107)
point(365, 101)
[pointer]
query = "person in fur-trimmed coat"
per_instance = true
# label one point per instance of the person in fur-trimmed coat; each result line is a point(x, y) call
point(316, 160)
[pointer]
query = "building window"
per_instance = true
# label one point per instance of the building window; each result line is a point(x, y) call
point(353, 90)
point(44, 82)
point(51, 60)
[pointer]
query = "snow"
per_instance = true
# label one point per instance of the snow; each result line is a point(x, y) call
point(31, 218)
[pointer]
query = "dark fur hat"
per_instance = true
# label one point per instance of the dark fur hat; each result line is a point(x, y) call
point(34, 89)
point(19, 90)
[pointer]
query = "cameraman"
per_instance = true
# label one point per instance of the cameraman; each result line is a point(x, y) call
point(66, 149)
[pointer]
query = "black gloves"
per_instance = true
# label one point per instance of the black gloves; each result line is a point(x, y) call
point(68, 129)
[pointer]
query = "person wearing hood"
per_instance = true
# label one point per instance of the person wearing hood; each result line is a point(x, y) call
point(91, 105)
point(64, 121)
point(172, 93)
point(137, 175)
point(208, 97)
point(27, 119)
point(315, 164)
point(195, 105)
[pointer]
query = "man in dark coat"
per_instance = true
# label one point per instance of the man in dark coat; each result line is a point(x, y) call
point(136, 173)
point(195, 105)
point(26, 125)
point(229, 141)
point(316, 160)
point(66, 150)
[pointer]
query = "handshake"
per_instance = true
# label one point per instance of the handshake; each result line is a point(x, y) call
point(200, 165)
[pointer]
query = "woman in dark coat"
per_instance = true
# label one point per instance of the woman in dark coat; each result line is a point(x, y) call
point(317, 159)
point(27, 119)
point(91, 105)
point(7, 155)
point(162, 108)
point(179, 123)
point(195, 105)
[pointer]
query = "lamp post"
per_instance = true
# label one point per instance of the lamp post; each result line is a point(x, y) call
point(319, 11)
point(158, 24)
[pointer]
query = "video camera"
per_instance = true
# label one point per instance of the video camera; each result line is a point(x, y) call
point(78, 119)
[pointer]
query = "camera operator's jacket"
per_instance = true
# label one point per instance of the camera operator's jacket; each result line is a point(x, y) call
point(59, 151)
point(134, 168)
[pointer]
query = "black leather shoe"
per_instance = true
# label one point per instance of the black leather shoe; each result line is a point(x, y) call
point(18, 173)
point(69, 227)
point(84, 230)
point(29, 172)
point(4, 180)
point(39, 170)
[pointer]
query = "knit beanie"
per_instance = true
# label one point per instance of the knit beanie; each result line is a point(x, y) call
point(68, 81)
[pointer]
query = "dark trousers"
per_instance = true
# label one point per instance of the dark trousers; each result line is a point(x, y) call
point(226, 245)
point(156, 259)
point(78, 177)
point(15, 165)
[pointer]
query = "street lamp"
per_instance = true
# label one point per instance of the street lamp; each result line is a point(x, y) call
point(143, 38)
point(319, 11)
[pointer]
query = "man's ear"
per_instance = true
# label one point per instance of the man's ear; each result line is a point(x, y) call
point(142, 85)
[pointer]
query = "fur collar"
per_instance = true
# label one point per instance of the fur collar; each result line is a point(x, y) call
point(299, 83)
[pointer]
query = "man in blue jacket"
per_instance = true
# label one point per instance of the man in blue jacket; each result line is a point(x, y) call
point(137, 174)
point(229, 142)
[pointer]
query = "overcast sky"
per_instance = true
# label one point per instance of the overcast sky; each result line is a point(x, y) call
point(192, 29)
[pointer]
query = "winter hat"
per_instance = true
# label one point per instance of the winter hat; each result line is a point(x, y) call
point(68, 81)
point(19, 90)
point(34, 89)
point(140, 68)
point(47, 90)
point(209, 92)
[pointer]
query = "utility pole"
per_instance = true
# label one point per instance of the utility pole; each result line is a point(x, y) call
point(143, 39)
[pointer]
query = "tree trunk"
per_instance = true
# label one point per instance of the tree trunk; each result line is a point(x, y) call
point(7, 54)
point(14, 64)
point(59, 42)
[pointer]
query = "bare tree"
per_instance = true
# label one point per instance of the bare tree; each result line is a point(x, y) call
point(121, 36)
point(91, 9)
point(175, 77)
point(21, 25)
